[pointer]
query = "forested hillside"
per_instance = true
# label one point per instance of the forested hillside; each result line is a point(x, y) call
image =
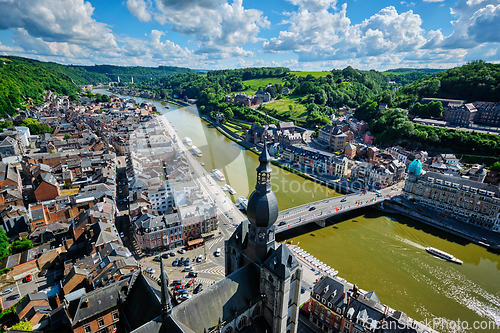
point(126, 73)
point(23, 80)
point(475, 81)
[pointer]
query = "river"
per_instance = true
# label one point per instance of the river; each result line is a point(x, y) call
point(378, 251)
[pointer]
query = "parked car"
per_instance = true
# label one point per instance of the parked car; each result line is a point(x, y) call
point(302, 290)
point(177, 287)
point(186, 263)
point(420, 209)
point(442, 215)
point(7, 291)
point(312, 208)
point(192, 274)
point(149, 270)
point(198, 288)
point(13, 297)
point(343, 200)
point(281, 223)
point(190, 283)
point(184, 297)
point(122, 235)
point(175, 262)
point(42, 273)
point(181, 251)
point(164, 255)
point(28, 278)
point(176, 282)
point(172, 254)
point(182, 291)
point(158, 259)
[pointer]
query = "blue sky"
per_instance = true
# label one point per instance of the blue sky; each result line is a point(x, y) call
point(213, 34)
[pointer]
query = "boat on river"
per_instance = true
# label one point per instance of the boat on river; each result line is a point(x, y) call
point(243, 203)
point(196, 151)
point(228, 188)
point(187, 141)
point(218, 174)
point(443, 255)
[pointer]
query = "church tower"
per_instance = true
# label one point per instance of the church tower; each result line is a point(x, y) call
point(253, 242)
point(262, 212)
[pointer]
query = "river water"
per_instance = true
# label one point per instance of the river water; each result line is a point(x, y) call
point(378, 251)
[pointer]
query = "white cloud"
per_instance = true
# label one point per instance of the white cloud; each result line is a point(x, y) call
point(433, 0)
point(139, 8)
point(323, 35)
point(216, 25)
point(485, 25)
point(57, 21)
point(475, 18)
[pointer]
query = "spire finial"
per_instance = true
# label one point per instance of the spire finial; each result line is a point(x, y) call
point(165, 298)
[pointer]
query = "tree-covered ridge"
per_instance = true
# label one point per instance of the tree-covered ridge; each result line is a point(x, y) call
point(475, 81)
point(415, 70)
point(126, 73)
point(23, 80)
point(392, 126)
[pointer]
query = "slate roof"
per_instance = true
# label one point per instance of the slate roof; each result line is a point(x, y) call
point(281, 262)
point(141, 304)
point(100, 300)
point(220, 300)
point(48, 178)
point(462, 182)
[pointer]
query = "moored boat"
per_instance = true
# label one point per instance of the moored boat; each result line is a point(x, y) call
point(443, 255)
point(218, 174)
point(243, 202)
point(187, 141)
point(196, 151)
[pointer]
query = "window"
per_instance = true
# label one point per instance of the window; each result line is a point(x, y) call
point(100, 322)
point(87, 329)
point(115, 315)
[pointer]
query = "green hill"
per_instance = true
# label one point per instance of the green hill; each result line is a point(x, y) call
point(23, 80)
point(475, 81)
point(139, 74)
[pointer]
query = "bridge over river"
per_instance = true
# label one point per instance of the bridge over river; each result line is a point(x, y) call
point(319, 211)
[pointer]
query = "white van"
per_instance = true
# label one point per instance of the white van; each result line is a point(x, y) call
point(217, 252)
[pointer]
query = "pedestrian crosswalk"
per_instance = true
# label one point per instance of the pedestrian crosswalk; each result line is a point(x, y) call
point(219, 270)
point(211, 243)
point(206, 282)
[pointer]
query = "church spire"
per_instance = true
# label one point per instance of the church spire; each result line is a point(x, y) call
point(165, 297)
point(264, 171)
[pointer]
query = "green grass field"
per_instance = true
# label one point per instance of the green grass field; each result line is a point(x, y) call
point(281, 109)
point(255, 84)
point(315, 74)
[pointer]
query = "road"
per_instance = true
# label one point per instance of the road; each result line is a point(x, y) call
point(321, 210)
point(209, 186)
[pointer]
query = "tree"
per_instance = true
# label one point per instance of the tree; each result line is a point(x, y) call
point(4, 244)
point(22, 326)
point(19, 246)
point(67, 136)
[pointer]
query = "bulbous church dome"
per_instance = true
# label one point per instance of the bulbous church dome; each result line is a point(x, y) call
point(262, 210)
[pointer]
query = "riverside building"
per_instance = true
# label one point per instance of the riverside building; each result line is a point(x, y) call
point(464, 199)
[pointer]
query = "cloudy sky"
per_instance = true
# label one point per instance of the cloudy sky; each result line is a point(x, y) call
point(209, 34)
